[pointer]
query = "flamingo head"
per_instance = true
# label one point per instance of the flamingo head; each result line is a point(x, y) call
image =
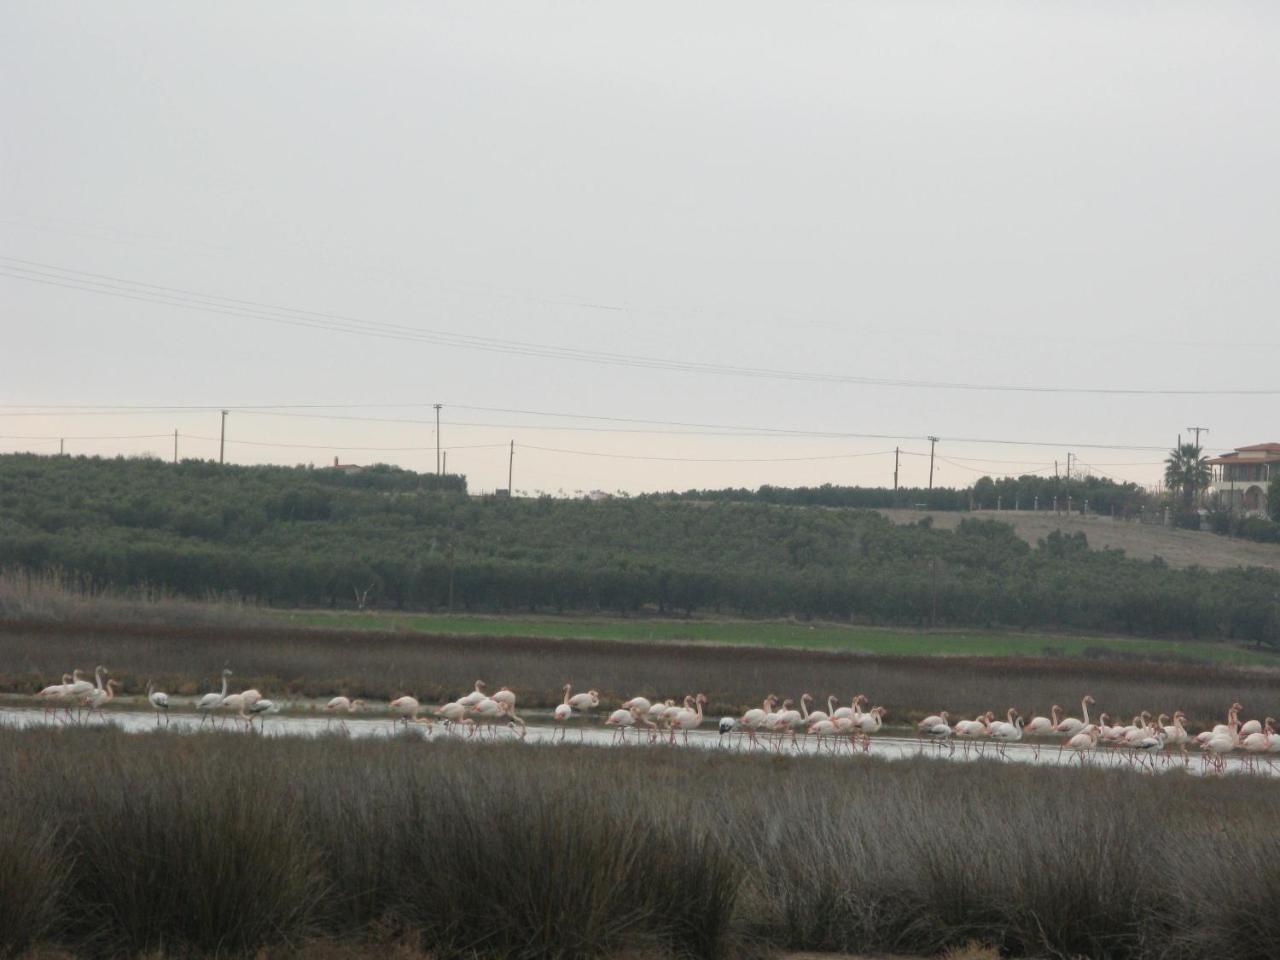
point(226, 671)
point(76, 674)
point(805, 698)
point(944, 716)
point(1089, 700)
point(479, 684)
point(701, 698)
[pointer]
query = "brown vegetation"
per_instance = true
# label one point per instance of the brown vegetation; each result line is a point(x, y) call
point(114, 844)
point(315, 663)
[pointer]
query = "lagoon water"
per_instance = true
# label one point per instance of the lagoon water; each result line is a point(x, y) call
point(541, 729)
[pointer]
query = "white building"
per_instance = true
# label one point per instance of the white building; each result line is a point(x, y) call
point(1240, 478)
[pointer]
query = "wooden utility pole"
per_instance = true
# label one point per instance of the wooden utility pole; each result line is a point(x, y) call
point(1198, 431)
point(437, 406)
point(60, 446)
point(932, 442)
point(895, 468)
point(222, 439)
point(444, 469)
point(175, 446)
point(511, 467)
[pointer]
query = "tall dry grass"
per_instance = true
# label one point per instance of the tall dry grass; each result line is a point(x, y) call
point(380, 666)
point(53, 595)
point(217, 844)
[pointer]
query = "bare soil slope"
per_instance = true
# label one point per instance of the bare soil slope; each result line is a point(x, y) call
point(1180, 548)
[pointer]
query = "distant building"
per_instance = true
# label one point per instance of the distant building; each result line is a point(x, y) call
point(599, 495)
point(347, 468)
point(1240, 478)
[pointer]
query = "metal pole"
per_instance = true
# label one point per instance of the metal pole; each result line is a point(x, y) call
point(511, 466)
point(895, 468)
point(932, 442)
point(437, 406)
point(175, 446)
point(222, 439)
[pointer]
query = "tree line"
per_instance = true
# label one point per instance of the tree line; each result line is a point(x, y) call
point(299, 536)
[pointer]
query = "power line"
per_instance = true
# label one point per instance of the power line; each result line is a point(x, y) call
point(108, 285)
point(285, 410)
point(629, 456)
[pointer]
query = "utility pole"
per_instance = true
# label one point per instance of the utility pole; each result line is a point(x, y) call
point(895, 468)
point(175, 446)
point(511, 466)
point(222, 439)
point(1198, 431)
point(61, 441)
point(932, 442)
point(445, 468)
point(1068, 466)
point(437, 406)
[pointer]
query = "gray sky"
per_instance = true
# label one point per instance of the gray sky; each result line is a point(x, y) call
point(1028, 194)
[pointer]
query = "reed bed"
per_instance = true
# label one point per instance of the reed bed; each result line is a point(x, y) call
point(223, 845)
point(291, 663)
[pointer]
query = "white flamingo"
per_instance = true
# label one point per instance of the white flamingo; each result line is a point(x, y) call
point(1043, 726)
point(1071, 725)
point(340, 705)
point(209, 702)
point(475, 696)
point(56, 696)
point(688, 719)
point(404, 710)
point(159, 701)
point(100, 698)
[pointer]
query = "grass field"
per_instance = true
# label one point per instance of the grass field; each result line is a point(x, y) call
point(218, 845)
point(783, 634)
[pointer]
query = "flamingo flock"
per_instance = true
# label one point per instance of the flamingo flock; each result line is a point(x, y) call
point(775, 724)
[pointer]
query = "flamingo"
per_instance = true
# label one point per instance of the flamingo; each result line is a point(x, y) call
point(584, 702)
point(101, 697)
point(405, 709)
point(726, 725)
point(624, 720)
point(259, 710)
point(563, 713)
point(506, 695)
point(1261, 741)
point(454, 714)
point(1008, 733)
point(938, 733)
point(475, 696)
point(486, 709)
point(813, 716)
point(56, 695)
point(753, 719)
point(850, 712)
point(1152, 745)
point(159, 701)
point(870, 723)
point(515, 723)
point(342, 705)
point(1043, 726)
point(638, 703)
point(932, 721)
point(688, 719)
point(1071, 726)
point(234, 703)
point(250, 696)
point(209, 702)
point(1085, 739)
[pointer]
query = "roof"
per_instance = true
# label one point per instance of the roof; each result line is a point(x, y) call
point(1270, 451)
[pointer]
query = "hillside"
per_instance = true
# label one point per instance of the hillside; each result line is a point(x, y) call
point(297, 536)
point(1178, 548)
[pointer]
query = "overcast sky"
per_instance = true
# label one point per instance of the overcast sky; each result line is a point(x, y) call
point(1078, 195)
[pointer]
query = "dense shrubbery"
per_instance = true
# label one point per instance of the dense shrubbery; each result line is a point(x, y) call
point(215, 844)
point(314, 537)
point(1258, 529)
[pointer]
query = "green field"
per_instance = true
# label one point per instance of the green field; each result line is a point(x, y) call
point(823, 636)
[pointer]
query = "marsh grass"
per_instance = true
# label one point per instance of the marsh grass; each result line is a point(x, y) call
point(380, 666)
point(216, 844)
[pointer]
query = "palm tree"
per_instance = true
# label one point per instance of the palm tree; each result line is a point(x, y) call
point(1187, 471)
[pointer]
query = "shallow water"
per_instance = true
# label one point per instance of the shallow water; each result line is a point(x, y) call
point(540, 728)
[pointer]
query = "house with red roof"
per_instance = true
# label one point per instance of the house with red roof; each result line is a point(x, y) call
point(1240, 477)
